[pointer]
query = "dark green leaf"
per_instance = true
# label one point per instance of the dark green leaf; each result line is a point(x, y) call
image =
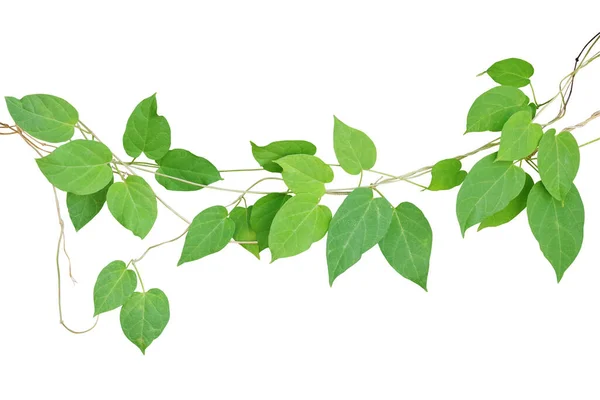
point(113, 287)
point(558, 162)
point(184, 165)
point(520, 137)
point(144, 316)
point(354, 150)
point(492, 109)
point(263, 212)
point(243, 232)
point(446, 174)
point(305, 174)
point(265, 155)
point(513, 208)
point(83, 208)
point(133, 204)
point(147, 131)
point(511, 72)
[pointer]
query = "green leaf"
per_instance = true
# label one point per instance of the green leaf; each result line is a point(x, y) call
point(488, 188)
point(446, 174)
point(133, 204)
point(184, 165)
point(147, 131)
point(354, 150)
point(511, 72)
point(556, 225)
point(492, 109)
point(520, 137)
point(209, 233)
point(305, 174)
point(533, 108)
point(266, 155)
point(43, 116)
point(243, 232)
point(113, 287)
point(359, 223)
point(513, 208)
point(80, 167)
point(558, 162)
point(407, 243)
point(144, 316)
point(300, 222)
point(83, 208)
point(263, 212)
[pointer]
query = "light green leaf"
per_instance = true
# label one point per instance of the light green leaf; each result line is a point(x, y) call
point(300, 222)
point(144, 316)
point(511, 72)
point(305, 174)
point(556, 225)
point(113, 287)
point(184, 165)
point(513, 208)
point(533, 108)
point(558, 162)
point(488, 188)
point(80, 167)
point(446, 174)
point(243, 232)
point(263, 212)
point(209, 233)
point(133, 204)
point(266, 155)
point(83, 208)
point(354, 150)
point(147, 131)
point(43, 116)
point(359, 223)
point(407, 243)
point(520, 137)
point(492, 109)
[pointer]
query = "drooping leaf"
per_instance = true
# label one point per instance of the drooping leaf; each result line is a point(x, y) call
point(113, 287)
point(83, 208)
point(266, 155)
point(300, 222)
point(209, 233)
point(43, 116)
point(359, 223)
point(144, 316)
point(184, 165)
point(133, 204)
point(305, 174)
point(79, 166)
point(243, 232)
point(520, 137)
point(146, 131)
point(492, 109)
point(556, 225)
point(488, 188)
point(407, 243)
point(263, 212)
point(446, 174)
point(513, 208)
point(558, 162)
point(511, 72)
point(354, 150)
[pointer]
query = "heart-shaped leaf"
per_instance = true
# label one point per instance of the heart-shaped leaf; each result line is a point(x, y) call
point(263, 213)
point(243, 232)
point(113, 287)
point(83, 208)
point(354, 150)
point(266, 155)
point(185, 165)
point(446, 174)
point(520, 137)
point(305, 174)
point(558, 162)
point(144, 316)
point(147, 131)
point(492, 109)
point(511, 72)
point(133, 204)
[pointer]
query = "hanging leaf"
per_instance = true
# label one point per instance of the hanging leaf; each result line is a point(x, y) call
point(511, 72)
point(146, 131)
point(263, 213)
point(266, 155)
point(113, 287)
point(144, 316)
point(513, 208)
point(243, 232)
point(446, 174)
point(520, 137)
point(133, 204)
point(305, 174)
point(184, 165)
point(83, 208)
point(558, 162)
point(354, 150)
point(492, 109)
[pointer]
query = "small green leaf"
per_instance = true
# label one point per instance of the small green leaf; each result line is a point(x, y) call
point(184, 165)
point(263, 212)
point(147, 131)
point(133, 204)
point(533, 109)
point(209, 233)
point(407, 243)
point(43, 116)
point(113, 287)
point(446, 174)
point(243, 232)
point(513, 208)
point(359, 223)
point(305, 174)
point(266, 155)
point(488, 188)
point(80, 167)
point(144, 316)
point(520, 137)
point(83, 208)
point(558, 162)
point(556, 225)
point(511, 72)
point(492, 109)
point(354, 150)
point(300, 222)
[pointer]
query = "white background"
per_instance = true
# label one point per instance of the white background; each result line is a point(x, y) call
point(494, 325)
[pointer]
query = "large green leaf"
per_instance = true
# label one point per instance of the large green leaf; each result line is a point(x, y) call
point(83, 208)
point(243, 232)
point(513, 208)
point(184, 165)
point(144, 316)
point(520, 137)
point(359, 223)
point(446, 174)
point(263, 212)
point(80, 167)
point(407, 243)
point(44, 116)
point(492, 109)
point(133, 204)
point(354, 150)
point(556, 225)
point(266, 155)
point(305, 174)
point(558, 162)
point(300, 222)
point(511, 72)
point(147, 131)
point(209, 233)
point(113, 287)
point(488, 188)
